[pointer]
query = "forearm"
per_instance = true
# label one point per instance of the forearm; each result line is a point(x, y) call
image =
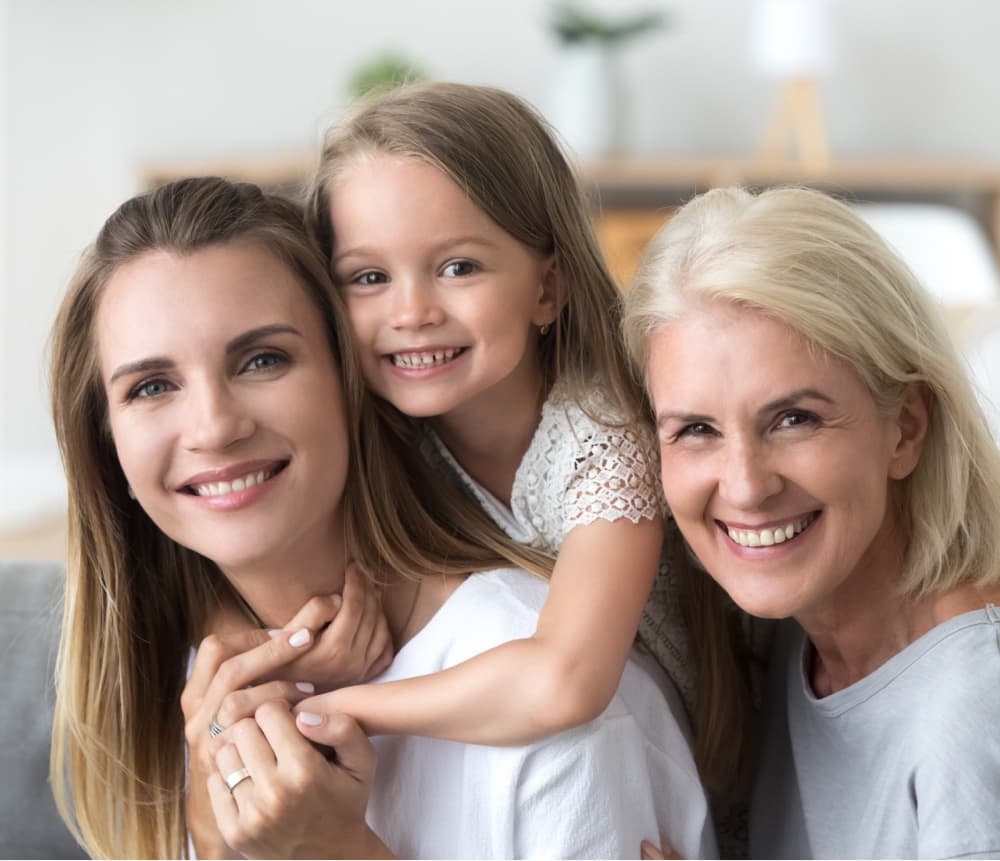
point(516, 693)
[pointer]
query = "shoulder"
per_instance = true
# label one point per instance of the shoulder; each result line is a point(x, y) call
point(960, 674)
point(488, 609)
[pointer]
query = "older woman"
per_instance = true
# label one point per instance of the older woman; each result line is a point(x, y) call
point(825, 458)
point(223, 461)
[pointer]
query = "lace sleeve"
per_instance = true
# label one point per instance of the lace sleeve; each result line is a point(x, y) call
point(577, 471)
point(613, 477)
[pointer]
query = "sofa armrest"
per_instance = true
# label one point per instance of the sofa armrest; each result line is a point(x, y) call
point(30, 609)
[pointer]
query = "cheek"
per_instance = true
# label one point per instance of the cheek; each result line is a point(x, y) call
point(682, 485)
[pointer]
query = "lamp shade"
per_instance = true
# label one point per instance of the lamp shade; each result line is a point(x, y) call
point(791, 38)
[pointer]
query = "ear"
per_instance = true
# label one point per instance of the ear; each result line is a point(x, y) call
point(551, 293)
point(913, 420)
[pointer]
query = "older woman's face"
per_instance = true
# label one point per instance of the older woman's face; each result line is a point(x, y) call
point(775, 462)
point(225, 403)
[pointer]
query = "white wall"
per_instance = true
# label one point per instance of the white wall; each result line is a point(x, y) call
point(96, 89)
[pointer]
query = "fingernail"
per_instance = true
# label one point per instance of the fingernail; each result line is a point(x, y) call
point(274, 632)
point(337, 600)
point(299, 638)
point(310, 719)
point(306, 687)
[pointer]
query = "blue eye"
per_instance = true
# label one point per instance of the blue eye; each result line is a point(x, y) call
point(149, 389)
point(458, 268)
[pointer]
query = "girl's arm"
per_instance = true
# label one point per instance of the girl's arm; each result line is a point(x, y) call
point(527, 689)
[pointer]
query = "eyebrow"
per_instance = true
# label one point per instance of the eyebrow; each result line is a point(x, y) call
point(471, 239)
point(784, 402)
point(240, 342)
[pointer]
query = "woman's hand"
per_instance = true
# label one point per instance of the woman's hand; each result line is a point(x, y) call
point(651, 852)
point(294, 802)
point(216, 693)
point(353, 643)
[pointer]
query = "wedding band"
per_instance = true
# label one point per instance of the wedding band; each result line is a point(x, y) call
point(235, 778)
point(214, 728)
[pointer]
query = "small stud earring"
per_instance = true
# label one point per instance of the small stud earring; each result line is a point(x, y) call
point(543, 330)
point(131, 493)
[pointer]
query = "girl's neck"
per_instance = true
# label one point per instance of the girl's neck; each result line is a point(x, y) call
point(490, 435)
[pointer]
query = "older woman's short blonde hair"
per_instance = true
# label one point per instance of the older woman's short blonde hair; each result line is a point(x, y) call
point(809, 261)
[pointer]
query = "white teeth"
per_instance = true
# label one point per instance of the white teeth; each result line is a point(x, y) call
point(221, 488)
point(769, 537)
point(423, 360)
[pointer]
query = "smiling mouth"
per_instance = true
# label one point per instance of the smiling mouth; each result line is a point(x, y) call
point(427, 359)
point(224, 488)
point(772, 536)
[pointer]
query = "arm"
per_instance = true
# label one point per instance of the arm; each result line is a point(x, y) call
point(527, 689)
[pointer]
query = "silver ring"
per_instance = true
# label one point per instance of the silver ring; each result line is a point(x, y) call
point(235, 778)
point(214, 728)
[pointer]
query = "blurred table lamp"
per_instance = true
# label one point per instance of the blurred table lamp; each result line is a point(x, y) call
point(791, 40)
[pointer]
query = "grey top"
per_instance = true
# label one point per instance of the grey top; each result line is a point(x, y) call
point(902, 764)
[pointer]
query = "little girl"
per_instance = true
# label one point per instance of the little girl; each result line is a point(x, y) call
point(484, 311)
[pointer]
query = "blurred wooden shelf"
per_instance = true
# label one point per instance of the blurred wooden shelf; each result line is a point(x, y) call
point(44, 539)
point(634, 194)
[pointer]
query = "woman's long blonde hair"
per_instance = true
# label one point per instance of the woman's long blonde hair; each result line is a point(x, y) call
point(135, 600)
point(506, 159)
point(809, 261)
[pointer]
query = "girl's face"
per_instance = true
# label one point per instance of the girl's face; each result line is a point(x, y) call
point(225, 403)
point(446, 305)
point(775, 462)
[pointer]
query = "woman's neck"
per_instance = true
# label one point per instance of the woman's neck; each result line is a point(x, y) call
point(276, 589)
point(853, 638)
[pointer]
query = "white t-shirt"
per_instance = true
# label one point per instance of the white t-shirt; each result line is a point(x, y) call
point(592, 792)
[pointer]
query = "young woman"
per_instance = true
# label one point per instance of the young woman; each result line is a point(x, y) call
point(221, 459)
point(826, 460)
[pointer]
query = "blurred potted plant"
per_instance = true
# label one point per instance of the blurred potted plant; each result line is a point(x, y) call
point(385, 71)
point(588, 104)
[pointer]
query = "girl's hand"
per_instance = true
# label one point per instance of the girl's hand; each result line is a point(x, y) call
point(296, 802)
point(216, 691)
point(353, 643)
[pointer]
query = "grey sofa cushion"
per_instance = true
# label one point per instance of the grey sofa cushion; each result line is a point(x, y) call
point(30, 607)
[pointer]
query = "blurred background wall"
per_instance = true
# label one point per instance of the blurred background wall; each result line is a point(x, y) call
point(96, 92)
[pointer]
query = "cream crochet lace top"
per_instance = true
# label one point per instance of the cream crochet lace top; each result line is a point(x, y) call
point(576, 471)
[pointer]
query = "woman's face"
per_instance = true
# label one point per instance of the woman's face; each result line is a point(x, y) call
point(775, 462)
point(225, 403)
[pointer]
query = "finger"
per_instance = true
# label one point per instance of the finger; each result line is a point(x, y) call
point(242, 703)
point(227, 814)
point(316, 613)
point(381, 662)
point(246, 668)
point(357, 605)
point(355, 753)
point(277, 723)
point(653, 852)
point(254, 751)
point(230, 768)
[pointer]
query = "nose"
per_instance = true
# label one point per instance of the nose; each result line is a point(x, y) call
point(415, 304)
point(748, 477)
point(216, 418)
